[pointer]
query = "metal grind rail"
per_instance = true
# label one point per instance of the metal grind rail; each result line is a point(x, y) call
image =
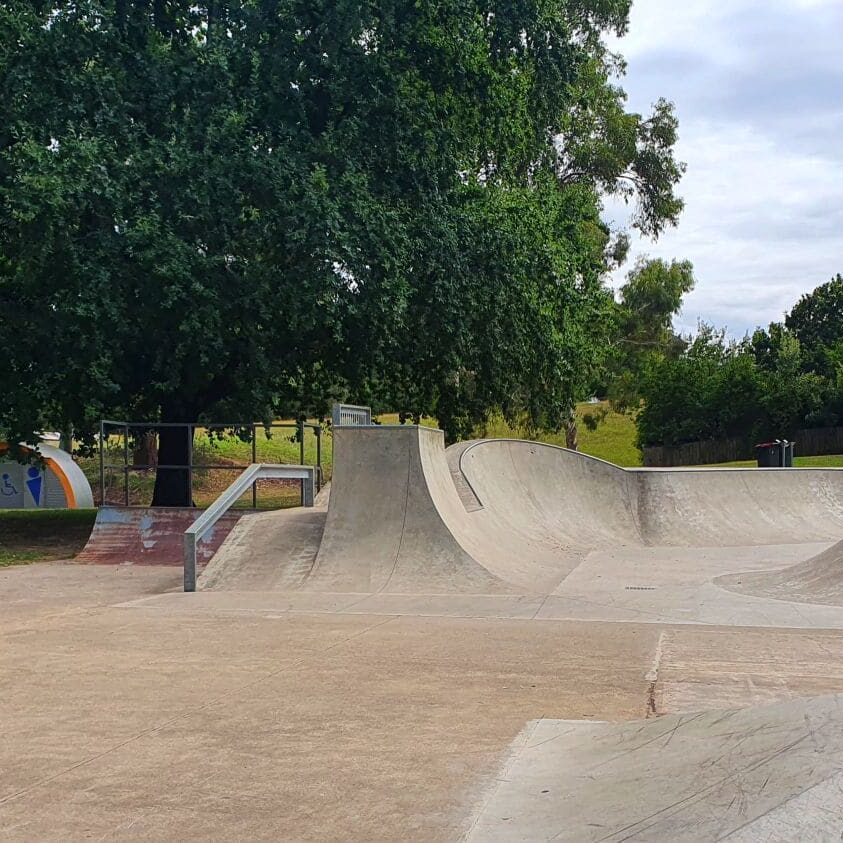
point(259, 471)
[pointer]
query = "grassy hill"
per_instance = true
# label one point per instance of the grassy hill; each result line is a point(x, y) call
point(613, 440)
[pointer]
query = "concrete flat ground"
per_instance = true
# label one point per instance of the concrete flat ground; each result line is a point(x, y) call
point(131, 716)
point(502, 641)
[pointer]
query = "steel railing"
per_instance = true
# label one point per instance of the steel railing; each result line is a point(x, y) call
point(126, 429)
point(351, 415)
point(259, 471)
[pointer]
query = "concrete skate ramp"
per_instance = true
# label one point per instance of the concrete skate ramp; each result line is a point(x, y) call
point(589, 502)
point(507, 517)
point(267, 551)
point(817, 580)
point(149, 536)
point(763, 773)
point(391, 518)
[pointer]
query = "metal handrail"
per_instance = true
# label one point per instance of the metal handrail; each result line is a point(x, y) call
point(152, 425)
point(258, 471)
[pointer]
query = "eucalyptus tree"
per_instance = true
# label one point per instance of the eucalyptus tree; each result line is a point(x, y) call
point(649, 299)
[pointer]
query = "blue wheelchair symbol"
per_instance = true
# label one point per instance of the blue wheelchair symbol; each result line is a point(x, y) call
point(8, 488)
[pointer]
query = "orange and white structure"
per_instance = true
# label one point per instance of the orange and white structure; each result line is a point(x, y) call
point(56, 483)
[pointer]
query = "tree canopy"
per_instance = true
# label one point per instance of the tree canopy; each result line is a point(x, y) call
point(649, 299)
point(255, 206)
point(786, 378)
point(816, 320)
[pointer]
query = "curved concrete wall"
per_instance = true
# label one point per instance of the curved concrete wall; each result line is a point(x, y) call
point(397, 522)
point(384, 530)
point(59, 484)
point(593, 502)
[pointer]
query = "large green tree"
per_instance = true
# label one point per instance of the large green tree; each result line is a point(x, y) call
point(233, 209)
point(649, 299)
point(817, 322)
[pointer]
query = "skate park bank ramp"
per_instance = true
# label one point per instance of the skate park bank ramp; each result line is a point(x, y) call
point(148, 536)
point(768, 773)
point(567, 534)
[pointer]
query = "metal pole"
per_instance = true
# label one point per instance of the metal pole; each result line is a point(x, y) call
point(301, 455)
point(126, 464)
point(254, 460)
point(189, 562)
point(318, 431)
point(102, 463)
point(190, 462)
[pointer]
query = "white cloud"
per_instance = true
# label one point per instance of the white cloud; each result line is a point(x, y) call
point(757, 88)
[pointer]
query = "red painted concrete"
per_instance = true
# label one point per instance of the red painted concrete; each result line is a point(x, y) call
point(149, 536)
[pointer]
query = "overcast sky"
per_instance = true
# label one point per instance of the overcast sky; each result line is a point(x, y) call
point(758, 87)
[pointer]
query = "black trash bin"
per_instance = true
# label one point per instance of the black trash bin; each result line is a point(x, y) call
point(768, 454)
point(778, 454)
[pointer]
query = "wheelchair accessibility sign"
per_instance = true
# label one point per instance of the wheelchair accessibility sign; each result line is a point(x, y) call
point(21, 486)
point(8, 489)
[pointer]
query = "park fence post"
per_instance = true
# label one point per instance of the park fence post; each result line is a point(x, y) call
point(102, 462)
point(301, 457)
point(254, 460)
point(318, 431)
point(126, 464)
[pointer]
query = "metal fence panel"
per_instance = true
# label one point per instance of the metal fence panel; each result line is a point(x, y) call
point(124, 464)
point(351, 415)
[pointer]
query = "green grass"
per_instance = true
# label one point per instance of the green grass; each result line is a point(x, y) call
point(392, 418)
point(277, 445)
point(613, 440)
point(830, 461)
point(17, 522)
point(18, 557)
point(31, 535)
point(274, 446)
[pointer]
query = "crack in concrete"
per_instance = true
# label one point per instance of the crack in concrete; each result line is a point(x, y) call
point(652, 676)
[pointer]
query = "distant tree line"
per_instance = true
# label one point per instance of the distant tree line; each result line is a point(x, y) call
point(768, 385)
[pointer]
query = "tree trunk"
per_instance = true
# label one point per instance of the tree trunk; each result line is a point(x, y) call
point(571, 438)
point(172, 485)
point(146, 449)
point(66, 440)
